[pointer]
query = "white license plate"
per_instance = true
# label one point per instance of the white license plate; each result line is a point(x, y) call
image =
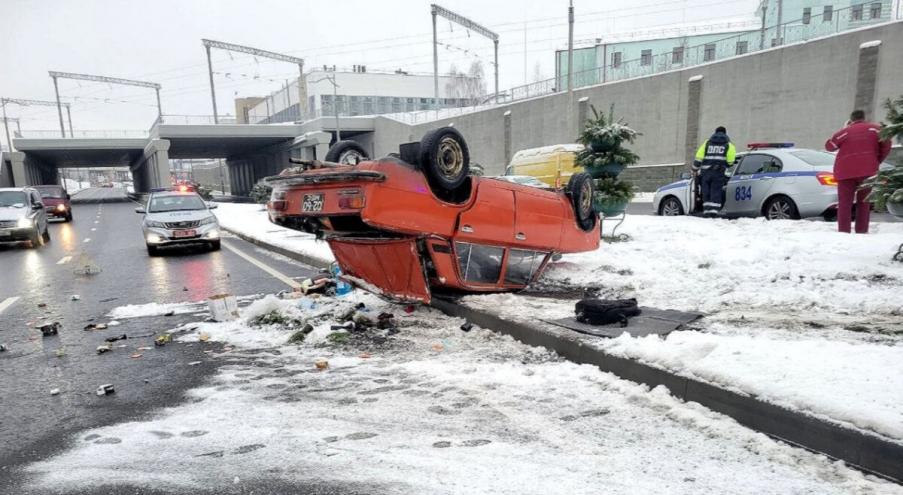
point(312, 202)
point(183, 233)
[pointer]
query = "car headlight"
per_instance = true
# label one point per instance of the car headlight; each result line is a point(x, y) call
point(208, 220)
point(24, 223)
point(154, 223)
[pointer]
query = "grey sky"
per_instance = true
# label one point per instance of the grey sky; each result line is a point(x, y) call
point(159, 41)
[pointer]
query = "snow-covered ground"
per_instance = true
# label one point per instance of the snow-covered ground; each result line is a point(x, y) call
point(251, 220)
point(797, 314)
point(430, 409)
point(73, 186)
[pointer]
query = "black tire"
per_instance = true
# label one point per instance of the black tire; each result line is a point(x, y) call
point(46, 235)
point(830, 216)
point(670, 207)
point(69, 216)
point(346, 153)
point(444, 158)
point(36, 239)
point(215, 246)
point(580, 190)
point(153, 250)
point(780, 208)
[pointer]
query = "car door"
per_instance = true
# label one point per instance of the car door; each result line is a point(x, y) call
point(40, 214)
point(746, 187)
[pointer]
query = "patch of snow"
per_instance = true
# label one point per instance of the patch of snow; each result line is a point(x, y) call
point(155, 309)
point(436, 411)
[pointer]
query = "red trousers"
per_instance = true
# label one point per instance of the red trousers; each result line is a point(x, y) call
point(847, 193)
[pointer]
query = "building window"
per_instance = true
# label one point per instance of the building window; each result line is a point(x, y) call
point(709, 52)
point(856, 13)
point(615, 60)
point(876, 10)
point(677, 55)
point(828, 13)
point(807, 15)
point(646, 57)
point(742, 47)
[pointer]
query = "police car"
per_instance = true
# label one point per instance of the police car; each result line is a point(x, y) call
point(178, 218)
point(774, 180)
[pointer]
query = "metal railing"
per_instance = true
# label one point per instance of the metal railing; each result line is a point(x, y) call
point(95, 133)
point(177, 119)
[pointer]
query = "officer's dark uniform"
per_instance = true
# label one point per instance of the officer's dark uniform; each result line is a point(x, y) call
point(712, 158)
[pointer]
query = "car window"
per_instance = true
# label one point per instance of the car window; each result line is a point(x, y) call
point(522, 265)
point(51, 192)
point(758, 164)
point(12, 198)
point(815, 158)
point(481, 264)
point(160, 204)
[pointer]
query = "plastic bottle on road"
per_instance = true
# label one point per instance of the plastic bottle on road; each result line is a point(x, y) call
point(341, 287)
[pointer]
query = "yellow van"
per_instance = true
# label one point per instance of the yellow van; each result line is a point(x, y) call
point(552, 165)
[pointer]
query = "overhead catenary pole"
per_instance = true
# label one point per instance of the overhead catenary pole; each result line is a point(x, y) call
point(467, 24)
point(762, 36)
point(779, 30)
point(9, 142)
point(435, 61)
point(257, 52)
point(69, 118)
point(59, 107)
point(570, 98)
point(212, 86)
point(159, 107)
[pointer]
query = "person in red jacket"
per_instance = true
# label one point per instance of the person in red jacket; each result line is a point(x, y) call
point(859, 152)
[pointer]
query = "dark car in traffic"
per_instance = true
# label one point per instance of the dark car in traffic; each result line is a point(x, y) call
point(56, 202)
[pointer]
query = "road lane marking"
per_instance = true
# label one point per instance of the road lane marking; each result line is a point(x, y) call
point(93, 229)
point(96, 221)
point(272, 271)
point(87, 240)
point(7, 303)
point(64, 260)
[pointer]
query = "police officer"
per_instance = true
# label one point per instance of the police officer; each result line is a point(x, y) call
point(712, 158)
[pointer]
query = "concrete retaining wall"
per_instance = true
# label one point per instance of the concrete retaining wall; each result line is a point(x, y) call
point(800, 93)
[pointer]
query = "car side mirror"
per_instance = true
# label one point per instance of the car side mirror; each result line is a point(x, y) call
point(37, 206)
point(140, 210)
point(212, 206)
point(68, 196)
point(685, 176)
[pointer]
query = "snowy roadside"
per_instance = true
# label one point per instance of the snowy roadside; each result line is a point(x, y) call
point(251, 220)
point(428, 409)
point(797, 314)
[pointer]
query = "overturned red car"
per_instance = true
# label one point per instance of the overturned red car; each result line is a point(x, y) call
point(416, 221)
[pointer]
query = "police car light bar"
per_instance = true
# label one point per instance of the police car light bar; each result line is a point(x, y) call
point(756, 146)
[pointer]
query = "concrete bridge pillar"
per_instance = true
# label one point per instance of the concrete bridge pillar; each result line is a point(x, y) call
point(247, 169)
point(152, 168)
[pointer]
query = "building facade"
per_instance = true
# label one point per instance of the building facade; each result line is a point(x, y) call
point(359, 92)
point(775, 22)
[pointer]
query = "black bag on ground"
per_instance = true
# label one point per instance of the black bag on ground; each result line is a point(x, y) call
point(606, 311)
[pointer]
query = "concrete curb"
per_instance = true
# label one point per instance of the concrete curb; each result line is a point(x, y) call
point(869, 452)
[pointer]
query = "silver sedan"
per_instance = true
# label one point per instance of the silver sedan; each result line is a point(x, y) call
point(774, 182)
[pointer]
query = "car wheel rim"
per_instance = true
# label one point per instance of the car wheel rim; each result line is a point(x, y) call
point(350, 157)
point(780, 210)
point(586, 198)
point(450, 158)
point(671, 209)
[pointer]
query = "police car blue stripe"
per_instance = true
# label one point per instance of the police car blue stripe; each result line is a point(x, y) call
point(673, 186)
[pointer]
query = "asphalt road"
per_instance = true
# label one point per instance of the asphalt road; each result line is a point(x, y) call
point(38, 287)
point(99, 195)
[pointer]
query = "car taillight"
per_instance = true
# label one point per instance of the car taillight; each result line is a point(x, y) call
point(351, 200)
point(278, 205)
point(826, 179)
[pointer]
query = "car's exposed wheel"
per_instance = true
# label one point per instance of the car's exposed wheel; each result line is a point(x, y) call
point(830, 216)
point(670, 207)
point(68, 216)
point(445, 158)
point(46, 235)
point(36, 239)
point(580, 190)
point(346, 153)
point(781, 208)
point(152, 250)
point(215, 246)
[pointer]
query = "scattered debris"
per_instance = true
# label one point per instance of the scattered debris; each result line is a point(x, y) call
point(364, 355)
point(321, 364)
point(113, 323)
point(108, 299)
point(296, 337)
point(385, 321)
point(51, 329)
point(118, 337)
point(60, 353)
point(145, 348)
point(195, 363)
point(54, 391)
point(76, 297)
point(467, 327)
point(204, 337)
point(438, 347)
point(170, 312)
point(104, 348)
point(223, 307)
point(337, 338)
point(409, 309)
point(162, 340)
point(105, 389)
point(361, 320)
point(320, 285)
point(2, 348)
point(42, 305)
point(135, 356)
point(275, 318)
